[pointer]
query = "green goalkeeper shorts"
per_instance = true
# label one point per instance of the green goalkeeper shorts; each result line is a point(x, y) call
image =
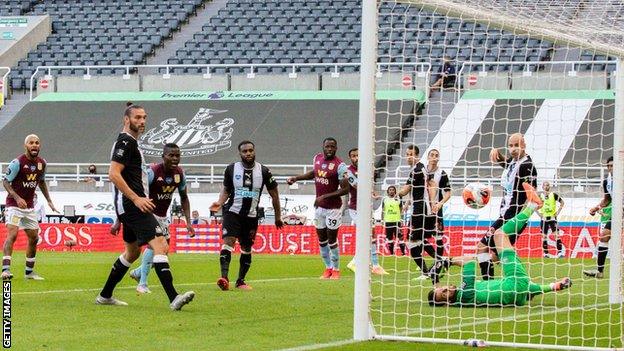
point(516, 281)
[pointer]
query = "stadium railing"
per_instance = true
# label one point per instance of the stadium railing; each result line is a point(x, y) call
point(208, 69)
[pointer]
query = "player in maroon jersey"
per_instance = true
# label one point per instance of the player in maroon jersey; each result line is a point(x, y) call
point(22, 177)
point(348, 185)
point(327, 173)
point(163, 179)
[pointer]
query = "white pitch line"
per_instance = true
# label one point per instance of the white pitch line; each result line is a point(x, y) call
point(320, 346)
point(505, 319)
point(134, 286)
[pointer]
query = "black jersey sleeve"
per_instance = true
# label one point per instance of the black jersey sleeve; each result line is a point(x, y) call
point(228, 182)
point(528, 174)
point(268, 179)
point(445, 184)
point(122, 151)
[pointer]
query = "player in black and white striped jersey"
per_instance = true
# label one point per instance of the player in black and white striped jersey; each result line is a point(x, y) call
point(243, 183)
point(518, 168)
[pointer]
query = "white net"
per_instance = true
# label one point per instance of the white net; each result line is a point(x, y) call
point(511, 68)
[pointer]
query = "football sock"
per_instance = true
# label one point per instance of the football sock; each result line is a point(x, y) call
point(245, 264)
point(324, 248)
point(603, 250)
point(120, 267)
point(161, 266)
point(335, 256)
point(146, 264)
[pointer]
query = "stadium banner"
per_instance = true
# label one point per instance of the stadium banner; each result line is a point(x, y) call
point(71, 237)
point(579, 240)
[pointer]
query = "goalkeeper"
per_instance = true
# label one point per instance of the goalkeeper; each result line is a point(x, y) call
point(513, 289)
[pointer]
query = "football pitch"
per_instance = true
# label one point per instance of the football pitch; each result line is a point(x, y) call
point(289, 308)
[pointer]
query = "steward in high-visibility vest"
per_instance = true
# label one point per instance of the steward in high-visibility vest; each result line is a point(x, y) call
point(391, 210)
point(548, 214)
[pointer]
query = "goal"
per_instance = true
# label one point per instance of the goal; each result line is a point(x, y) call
point(547, 69)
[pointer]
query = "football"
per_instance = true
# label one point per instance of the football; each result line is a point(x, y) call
point(476, 195)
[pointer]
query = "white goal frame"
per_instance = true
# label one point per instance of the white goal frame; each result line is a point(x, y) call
point(363, 329)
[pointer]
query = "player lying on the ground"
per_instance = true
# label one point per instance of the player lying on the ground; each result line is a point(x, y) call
point(514, 288)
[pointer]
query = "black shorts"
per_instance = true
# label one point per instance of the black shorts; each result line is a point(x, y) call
point(423, 227)
point(549, 223)
point(608, 225)
point(393, 230)
point(139, 227)
point(241, 227)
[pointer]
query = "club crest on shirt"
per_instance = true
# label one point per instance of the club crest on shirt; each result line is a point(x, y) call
point(194, 138)
point(176, 178)
point(39, 166)
point(331, 166)
point(238, 177)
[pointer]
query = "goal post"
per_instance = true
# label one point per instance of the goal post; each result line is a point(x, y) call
point(368, 68)
point(576, 91)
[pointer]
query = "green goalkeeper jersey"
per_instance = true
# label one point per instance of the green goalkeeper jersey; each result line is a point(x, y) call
point(511, 290)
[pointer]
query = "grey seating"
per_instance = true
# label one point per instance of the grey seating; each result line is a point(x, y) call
point(81, 30)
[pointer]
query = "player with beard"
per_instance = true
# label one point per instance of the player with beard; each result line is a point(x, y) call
point(20, 180)
point(421, 190)
point(243, 183)
point(518, 169)
point(327, 174)
point(163, 179)
point(134, 209)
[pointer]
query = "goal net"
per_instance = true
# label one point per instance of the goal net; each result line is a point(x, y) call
point(547, 70)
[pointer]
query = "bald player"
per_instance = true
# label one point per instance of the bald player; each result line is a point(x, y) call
point(22, 177)
point(518, 168)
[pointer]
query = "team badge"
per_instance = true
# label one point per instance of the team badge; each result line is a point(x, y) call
point(176, 178)
point(331, 166)
point(120, 152)
point(39, 166)
point(238, 177)
point(168, 180)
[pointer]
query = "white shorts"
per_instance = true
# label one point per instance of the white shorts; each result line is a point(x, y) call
point(353, 215)
point(22, 218)
point(327, 218)
point(164, 223)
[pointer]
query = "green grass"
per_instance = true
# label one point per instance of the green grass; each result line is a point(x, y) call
point(289, 307)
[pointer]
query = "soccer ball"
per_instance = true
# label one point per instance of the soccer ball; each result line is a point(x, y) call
point(291, 249)
point(476, 195)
